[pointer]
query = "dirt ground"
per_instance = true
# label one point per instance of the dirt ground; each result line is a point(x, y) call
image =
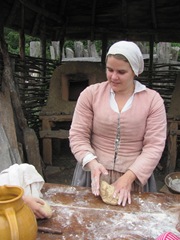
point(63, 165)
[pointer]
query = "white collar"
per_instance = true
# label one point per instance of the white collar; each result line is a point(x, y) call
point(139, 87)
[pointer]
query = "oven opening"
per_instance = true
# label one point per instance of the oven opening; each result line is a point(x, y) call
point(76, 83)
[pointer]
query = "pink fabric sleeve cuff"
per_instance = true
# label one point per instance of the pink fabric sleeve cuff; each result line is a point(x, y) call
point(168, 236)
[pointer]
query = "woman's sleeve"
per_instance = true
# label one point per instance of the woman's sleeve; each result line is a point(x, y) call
point(81, 127)
point(154, 141)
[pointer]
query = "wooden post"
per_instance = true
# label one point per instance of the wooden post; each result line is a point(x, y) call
point(172, 146)
point(47, 143)
point(21, 36)
point(151, 44)
point(104, 49)
point(65, 87)
point(43, 52)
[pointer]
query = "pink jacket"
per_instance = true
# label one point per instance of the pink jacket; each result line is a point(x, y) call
point(142, 130)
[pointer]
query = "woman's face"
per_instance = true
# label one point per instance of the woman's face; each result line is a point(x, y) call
point(119, 74)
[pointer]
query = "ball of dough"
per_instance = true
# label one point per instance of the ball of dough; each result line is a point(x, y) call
point(47, 209)
point(106, 193)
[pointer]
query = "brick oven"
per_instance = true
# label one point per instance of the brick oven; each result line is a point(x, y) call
point(67, 81)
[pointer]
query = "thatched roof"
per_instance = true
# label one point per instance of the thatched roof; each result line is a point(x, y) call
point(138, 20)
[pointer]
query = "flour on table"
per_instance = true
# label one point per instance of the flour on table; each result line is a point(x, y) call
point(142, 224)
point(99, 223)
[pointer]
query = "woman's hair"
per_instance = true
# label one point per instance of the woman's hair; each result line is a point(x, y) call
point(117, 56)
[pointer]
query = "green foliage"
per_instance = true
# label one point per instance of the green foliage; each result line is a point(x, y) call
point(12, 39)
point(69, 44)
point(175, 44)
point(98, 45)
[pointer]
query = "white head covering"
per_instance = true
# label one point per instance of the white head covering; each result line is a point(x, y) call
point(132, 52)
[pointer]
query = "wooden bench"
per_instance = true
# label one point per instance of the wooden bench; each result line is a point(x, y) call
point(47, 133)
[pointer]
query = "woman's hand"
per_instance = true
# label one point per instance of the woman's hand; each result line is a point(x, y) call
point(96, 170)
point(36, 205)
point(123, 187)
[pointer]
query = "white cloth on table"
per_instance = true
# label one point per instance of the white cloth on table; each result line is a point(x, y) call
point(24, 175)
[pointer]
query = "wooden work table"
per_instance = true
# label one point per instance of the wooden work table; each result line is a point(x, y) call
point(78, 214)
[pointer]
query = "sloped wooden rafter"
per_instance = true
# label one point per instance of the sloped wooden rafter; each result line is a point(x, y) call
point(124, 14)
point(12, 14)
point(41, 11)
point(93, 19)
point(22, 35)
point(62, 12)
point(153, 14)
point(36, 24)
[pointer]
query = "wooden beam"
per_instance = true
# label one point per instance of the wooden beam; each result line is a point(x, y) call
point(61, 134)
point(136, 34)
point(36, 25)
point(172, 146)
point(153, 13)
point(43, 47)
point(151, 44)
point(41, 11)
point(104, 49)
point(13, 13)
point(56, 118)
point(154, 17)
point(2, 25)
point(22, 36)
point(124, 15)
point(62, 12)
point(93, 19)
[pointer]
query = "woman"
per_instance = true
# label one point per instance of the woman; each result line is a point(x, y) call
point(118, 130)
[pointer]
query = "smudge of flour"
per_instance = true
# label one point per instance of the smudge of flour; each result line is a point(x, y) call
point(101, 224)
point(150, 221)
point(51, 191)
